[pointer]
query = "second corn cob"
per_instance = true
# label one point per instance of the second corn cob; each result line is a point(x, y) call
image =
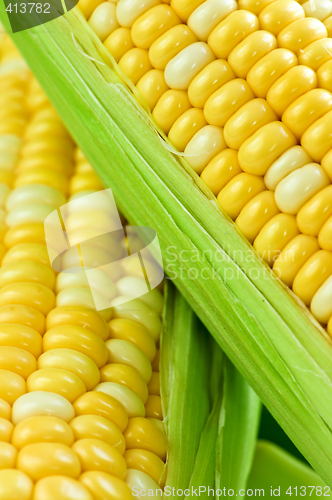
point(80, 400)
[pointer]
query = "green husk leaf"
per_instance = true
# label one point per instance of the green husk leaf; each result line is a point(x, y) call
point(275, 468)
point(266, 333)
point(205, 465)
point(239, 423)
point(185, 368)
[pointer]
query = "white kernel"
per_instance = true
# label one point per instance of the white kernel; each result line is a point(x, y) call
point(299, 186)
point(291, 160)
point(183, 68)
point(206, 17)
point(204, 146)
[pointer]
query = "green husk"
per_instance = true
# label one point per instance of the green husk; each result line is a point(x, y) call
point(239, 422)
point(273, 341)
point(274, 468)
point(211, 414)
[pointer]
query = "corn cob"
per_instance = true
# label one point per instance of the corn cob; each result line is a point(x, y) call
point(243, 89)
point(80, 402)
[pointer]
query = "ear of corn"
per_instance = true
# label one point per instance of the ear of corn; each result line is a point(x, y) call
point(266, 333)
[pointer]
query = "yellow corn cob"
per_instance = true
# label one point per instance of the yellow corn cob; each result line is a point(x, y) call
point(80, 409)
point(243, 89)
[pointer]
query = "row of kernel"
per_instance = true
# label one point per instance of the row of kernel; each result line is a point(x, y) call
point(133, 331)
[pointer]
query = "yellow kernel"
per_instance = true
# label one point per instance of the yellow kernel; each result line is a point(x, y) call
point(33, 295)
point(27, 271)
point(8, 454)
point(23, 315)
point(98, 403)
point(6, 430)
point(274, 236)
point(152, 86)
point(103, 486)
point(12, 386)
point(316, 54)
point(62, 382)
point(5, 409)
point(256, 213)
point(324, 75)
point(135, 63)
point(21, 336)
point(171, 105)
point(154, 23)
point(241, 189)
point(255, 6)
point(75, 362)
point(17, 360)
point(62, 487)
point(231, 31)
point(97, 427)
point(147, 462)
point(306, 110)
point(127, 376)
point(25, 233)
point(129, 400)
point(135, 333)
point(248, 52)
point(82, 182)
point(221, 169)
point(295, 83)
point(246, 121)
point(88, 6)
point(325, 235)
point(154, 384)
point(42, 176)
point(312, 275)
point(258, 153)
point(15, 484)
point(42, 429)
point(210, 79)
point(170, 44)
point(95, 454)
point(78, 338)
point(301, 33)
point(184, 8)
point(40, 460)
point(266, 72)
point(153, 407)
point(276, 16)
point(317, 140)
point(223, 103)
point(186, 127)
point(315, 212)
point(78, 316)
point(27, 251)
point(294, 255)
point(119, 42)
point(143, 434)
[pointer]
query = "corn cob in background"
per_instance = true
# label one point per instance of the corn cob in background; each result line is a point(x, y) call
point(75, 385)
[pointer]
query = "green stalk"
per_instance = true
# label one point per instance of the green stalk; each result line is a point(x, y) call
point(270, 338)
